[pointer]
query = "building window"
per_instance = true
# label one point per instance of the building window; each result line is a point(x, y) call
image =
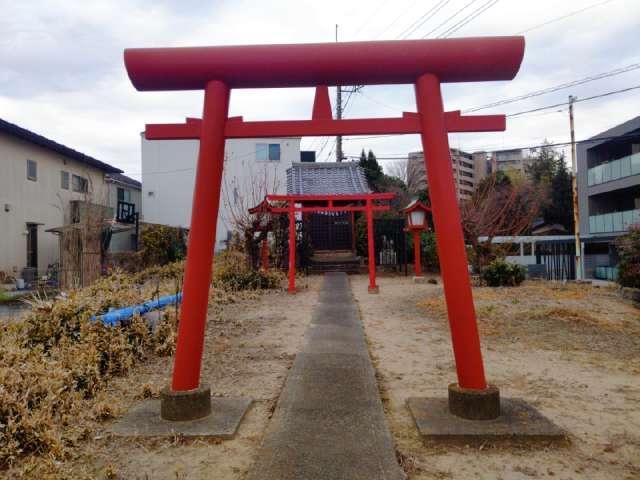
point(268, 152)
point(64, 180)
point(79, 184)
point(32, 170)
point(32, 245)
point(124, 195)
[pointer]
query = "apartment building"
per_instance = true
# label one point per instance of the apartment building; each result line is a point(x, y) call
point(515, 159)
point(609, 194)
point(464, 173)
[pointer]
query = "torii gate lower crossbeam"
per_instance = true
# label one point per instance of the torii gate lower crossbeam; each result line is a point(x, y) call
point(332, 203)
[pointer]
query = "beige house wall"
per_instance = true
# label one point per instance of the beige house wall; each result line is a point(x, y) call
point(42, 201)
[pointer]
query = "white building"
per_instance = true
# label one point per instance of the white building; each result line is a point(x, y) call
point(252, 168)
point(39, 181)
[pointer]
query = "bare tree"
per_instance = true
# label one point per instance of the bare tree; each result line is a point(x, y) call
point(399, 170)
point(496, 208)
point(239, 194)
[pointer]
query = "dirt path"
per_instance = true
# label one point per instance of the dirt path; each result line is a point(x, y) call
point(571, 351)
point(249, 348)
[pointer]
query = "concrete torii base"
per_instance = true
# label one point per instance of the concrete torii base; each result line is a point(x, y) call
point(472, 417)
point(218, 417)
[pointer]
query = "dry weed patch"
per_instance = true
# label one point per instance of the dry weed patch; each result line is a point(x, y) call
point(434, 306)
point(56, 363)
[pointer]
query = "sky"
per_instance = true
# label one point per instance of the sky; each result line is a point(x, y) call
point(62, 73)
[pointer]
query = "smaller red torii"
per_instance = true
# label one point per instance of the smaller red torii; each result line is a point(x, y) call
point(332, 203)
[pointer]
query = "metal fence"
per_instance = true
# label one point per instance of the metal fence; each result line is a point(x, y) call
point(558, 257)
point(391, 243)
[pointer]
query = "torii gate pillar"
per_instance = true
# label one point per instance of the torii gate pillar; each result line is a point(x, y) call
point(449, 238)
point(202, 236)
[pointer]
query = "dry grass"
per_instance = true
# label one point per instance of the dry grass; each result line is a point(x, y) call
point(56, 365)
point(593, 318)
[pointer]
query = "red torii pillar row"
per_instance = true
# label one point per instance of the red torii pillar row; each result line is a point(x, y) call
point(292, 248)
point(371, 251)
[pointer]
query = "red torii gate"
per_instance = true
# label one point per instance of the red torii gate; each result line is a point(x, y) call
point(424, 63)
point(333, 203)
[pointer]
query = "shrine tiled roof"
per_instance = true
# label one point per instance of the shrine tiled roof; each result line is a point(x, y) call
point(326, 178)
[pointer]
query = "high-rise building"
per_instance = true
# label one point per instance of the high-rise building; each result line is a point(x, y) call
point(464, 173)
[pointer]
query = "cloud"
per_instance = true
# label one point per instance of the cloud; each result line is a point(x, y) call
point(62, 73)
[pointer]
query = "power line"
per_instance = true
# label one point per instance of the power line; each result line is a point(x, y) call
point(469, 18)
point(423, 19)
point(404, 12)
point(531, 147)
point(457, 12)
point(517, 114)
point(557, 19)
point(562, 86)
point(371, 99)
point(370, 17)
point(605, 94)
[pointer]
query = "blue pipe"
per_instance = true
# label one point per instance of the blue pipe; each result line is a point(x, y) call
point(120, 314)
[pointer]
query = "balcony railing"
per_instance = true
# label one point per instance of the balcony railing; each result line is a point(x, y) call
point(620, 168)
point(126, 212)
point(613, 222)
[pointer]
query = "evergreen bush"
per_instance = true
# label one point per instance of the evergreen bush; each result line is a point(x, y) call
point(500, 273)
point(629, 266)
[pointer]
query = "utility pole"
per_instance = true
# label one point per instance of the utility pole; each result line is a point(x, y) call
point(338, 114)
point(574, 188)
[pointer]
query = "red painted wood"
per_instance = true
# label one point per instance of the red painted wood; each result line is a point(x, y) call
point(362, 208)
point(335, 198)
point(343, 63)
point(409, 123)
point(371, 248)
point(292, 249)
point(449, 238)
point(202, 235)
point(417, 267)
point(321, 104)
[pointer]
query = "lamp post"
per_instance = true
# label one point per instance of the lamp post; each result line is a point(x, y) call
point(416, 213)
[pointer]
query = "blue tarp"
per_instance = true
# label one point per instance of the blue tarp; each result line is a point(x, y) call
point(115, 316)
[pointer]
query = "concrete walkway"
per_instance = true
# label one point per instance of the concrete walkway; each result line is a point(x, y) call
point(329, 422)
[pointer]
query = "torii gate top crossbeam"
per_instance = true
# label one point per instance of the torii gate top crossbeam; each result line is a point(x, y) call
point(307, 65)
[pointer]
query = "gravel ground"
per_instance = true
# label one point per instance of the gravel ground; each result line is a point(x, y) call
point(572, 351)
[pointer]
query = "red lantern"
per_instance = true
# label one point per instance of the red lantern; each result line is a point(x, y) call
point(416, 213)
